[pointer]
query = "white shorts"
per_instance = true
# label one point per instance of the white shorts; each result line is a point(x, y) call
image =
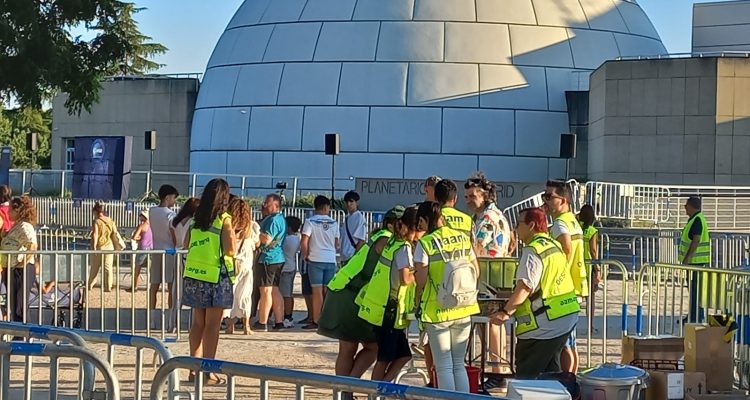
point(156, 269)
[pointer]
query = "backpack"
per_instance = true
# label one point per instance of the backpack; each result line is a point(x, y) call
point(458, 287)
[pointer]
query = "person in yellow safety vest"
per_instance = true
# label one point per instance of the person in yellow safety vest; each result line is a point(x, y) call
point(445, 262)
point(567, 231)
point(389, 297)
point(446, 193)
point(339, 319)
point(695, 249)
point(587, 218)
point(209, 271)
point(543, 303)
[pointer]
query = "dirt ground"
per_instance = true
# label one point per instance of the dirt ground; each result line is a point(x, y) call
point(288, 349)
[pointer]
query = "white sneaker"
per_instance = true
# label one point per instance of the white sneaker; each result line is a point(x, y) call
point(288, 323)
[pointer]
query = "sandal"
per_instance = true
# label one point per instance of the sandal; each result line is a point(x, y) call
point(213, 380)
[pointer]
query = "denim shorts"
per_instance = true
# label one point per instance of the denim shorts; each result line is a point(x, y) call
point(320, 273)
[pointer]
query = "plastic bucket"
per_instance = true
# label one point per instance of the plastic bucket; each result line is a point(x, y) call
point(474, 374)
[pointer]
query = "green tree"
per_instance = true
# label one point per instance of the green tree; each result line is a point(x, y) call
point(39, 56)
point(15, 125)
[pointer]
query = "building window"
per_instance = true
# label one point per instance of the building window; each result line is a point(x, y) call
point(70, 150)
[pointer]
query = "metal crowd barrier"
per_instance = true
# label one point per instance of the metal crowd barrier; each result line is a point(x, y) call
point(139, 343)
point(65, 274)
point(87, 374)
point(598, 301)
point(670, 295)
point(55, 352)
point(301, 380)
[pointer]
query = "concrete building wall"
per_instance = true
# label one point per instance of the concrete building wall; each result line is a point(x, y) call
point(675, 121)
point(721, 26)
point(130, 107)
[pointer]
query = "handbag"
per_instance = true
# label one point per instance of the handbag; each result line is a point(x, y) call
point(117, 241)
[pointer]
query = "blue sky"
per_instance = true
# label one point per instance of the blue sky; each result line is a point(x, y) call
point(190, 28)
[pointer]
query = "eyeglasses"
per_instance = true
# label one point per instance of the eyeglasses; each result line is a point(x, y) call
point(550, 196)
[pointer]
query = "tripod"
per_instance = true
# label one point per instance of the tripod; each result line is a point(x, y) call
point(149, 194)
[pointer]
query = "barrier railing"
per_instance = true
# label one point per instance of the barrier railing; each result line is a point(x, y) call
point(597, 305)
point(669, 295)
point(87, 372)
point(59, 282)
point(54, 353)
point(299, 379)
point(139, 343)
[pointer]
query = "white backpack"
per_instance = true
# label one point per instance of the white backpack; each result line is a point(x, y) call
point(458, 287)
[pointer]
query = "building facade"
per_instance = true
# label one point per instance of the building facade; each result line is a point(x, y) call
point(414, 87)
point(721, 27)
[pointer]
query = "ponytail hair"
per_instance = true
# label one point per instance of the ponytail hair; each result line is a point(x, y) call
point(430, 211)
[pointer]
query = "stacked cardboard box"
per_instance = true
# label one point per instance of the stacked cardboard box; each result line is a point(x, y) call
point(706, 351)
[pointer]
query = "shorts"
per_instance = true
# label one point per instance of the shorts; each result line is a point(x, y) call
point(268, 275)
point(169, 263)
point(571, 342)
point(199, 294)
point(306, 288)
point(392, 343)
point(320, 273)
point(143, 260)
point(286, 284)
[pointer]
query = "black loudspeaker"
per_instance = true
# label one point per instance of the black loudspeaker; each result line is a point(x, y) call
point(567, 145)
point(332, 144)
point(31, 142)
point(150, 140)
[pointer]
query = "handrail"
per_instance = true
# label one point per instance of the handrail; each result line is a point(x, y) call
point(298, 378)
point(54, 352)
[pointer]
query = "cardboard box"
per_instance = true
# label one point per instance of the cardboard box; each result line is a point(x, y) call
point(675, 385)
point(695, 383)
point(707, 352)
point(669, 348)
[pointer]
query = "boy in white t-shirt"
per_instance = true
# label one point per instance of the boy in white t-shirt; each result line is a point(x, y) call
point(289, 270)
point(162, 266)
point(320, 240)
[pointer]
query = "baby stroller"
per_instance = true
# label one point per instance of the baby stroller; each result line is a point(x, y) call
point(62, 298)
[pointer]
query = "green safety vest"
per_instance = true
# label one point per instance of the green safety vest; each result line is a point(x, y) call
point(376, 296)
point(556, 288)
point(203, 258)
point(354, 266)
point(576, 263)
point(588, 233)
point(702, 254)
point(457, 220)
point(454, 244)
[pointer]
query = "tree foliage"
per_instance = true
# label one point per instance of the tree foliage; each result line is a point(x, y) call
point(39, 56)
point(14, 127)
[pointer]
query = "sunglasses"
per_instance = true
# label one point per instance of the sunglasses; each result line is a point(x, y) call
point(550, 196)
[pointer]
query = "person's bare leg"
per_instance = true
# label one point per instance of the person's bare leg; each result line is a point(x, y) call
point(394, 368)
point(230, 325)
point(195, 337)
point(317, 302)
point(288, 305)
point(567, 360)
point(497, 346)
point(153, 291)
point(246, 326)
point(265, 304)
point(277, 305)
point(345, 358)
point(169, 294)
point(378, 371)
point(364, 359)
point(211, 332)
point(308, 305)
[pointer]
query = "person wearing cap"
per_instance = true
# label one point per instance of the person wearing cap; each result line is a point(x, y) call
point(145, 240)
point(339, 319)
point(354, 229)
point(695, 250)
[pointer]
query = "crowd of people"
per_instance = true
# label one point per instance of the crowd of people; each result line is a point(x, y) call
point(362, 288)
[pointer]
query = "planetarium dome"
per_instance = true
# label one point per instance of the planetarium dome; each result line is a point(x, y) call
point(414, 87)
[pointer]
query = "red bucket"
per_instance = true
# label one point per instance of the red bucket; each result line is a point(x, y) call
point(474, 374)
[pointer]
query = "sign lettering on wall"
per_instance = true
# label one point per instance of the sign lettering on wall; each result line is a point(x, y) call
point(379, 194)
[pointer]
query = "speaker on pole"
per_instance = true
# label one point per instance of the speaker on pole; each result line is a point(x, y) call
point(568, 145)
point(332, 144)
point(32, 143)
point(150, 140)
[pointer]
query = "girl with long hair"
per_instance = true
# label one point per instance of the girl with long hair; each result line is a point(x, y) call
point(247, 232)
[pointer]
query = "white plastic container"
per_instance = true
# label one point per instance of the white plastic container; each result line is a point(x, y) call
point(536, 390)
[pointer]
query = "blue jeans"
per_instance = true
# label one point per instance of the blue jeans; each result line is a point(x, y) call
point(320, 273)
point(448, 342)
